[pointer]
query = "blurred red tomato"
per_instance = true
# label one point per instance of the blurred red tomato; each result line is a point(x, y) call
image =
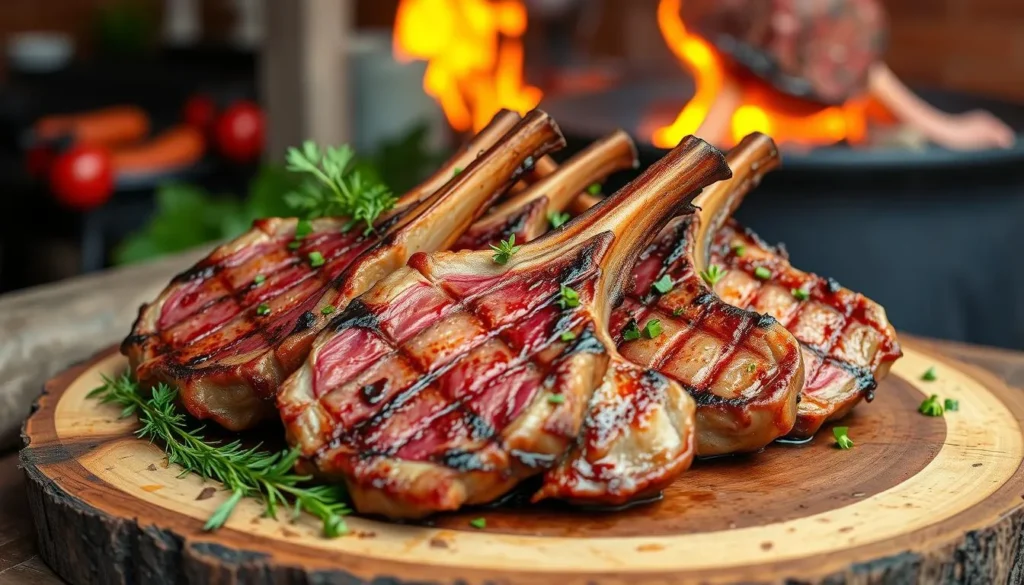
point(239, 132)
point(38, 160)
point(83, 177)
point(200, 112)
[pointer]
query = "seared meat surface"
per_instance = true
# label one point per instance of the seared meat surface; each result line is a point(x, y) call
point(231, 329)
point(456, 377)
point(846, 339)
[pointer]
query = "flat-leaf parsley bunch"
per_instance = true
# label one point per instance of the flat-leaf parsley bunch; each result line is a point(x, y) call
point(246, 472)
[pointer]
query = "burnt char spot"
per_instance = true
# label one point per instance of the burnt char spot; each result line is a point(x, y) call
point(133, 339)
point(833, 285)
point(480, 429)
point(306, 321)
point(357, 314)
point(586, 342)
point(461, 460)
point(581, 263)
point(704, 299)
point(200, 271)
point(765, 321)
point(373, 393)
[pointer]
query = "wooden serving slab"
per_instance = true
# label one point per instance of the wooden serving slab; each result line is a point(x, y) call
point(917, 500)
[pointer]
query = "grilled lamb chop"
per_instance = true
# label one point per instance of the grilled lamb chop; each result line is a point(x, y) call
point(743, 369)
point(525, 214)
point(228, 331)
point(456, 377)
point(846, 339)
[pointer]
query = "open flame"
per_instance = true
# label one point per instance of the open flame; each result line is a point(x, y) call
point(474, 55)
point(758, 109)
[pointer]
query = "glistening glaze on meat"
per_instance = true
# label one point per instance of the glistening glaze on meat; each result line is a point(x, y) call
point(846, 339)
point(454, 378)
point(227, 339)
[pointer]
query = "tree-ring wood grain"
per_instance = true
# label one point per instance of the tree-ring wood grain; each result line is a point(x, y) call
point(918, 500)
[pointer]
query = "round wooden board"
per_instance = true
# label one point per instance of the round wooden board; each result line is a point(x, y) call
point(918, 500)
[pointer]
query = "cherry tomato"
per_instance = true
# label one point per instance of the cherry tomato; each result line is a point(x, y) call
point(239, 132)
point(83, 177)
point(200, 112)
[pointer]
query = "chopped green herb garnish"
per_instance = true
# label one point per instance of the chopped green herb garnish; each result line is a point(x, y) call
point(762, 272)
point(334, 187)
point(263, 310)
point(663, 284)
point(478, 523)
point(557, 220)
point(456, 171)
point(327, 310)
point(951, 405)
point(631, 332)
point(677, 311)
point(568, 298)
point(504, 250)
point(843, 440)
point(556, 399)
point(294, 245)
point(929, 375)
point(799, 294)
point(259, 279)
point(316, 259)
point(567, 336)
point(713, 274)
point(594, 189)
point(751, 367)
point(931, 406)
point(303, 229)
point(268, 476)
point(652, 329)
point(739, 250)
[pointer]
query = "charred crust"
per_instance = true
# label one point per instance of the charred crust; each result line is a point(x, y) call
point(202, 271)
point(586, 342)
point(463, 461)
point(306, 321)
point(766, 321)
point(374, 392)
point(705, 298)
point(833, 285)
point(356, 314)
point(863, 377)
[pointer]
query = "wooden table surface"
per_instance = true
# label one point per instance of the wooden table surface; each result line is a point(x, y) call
point(19, 565)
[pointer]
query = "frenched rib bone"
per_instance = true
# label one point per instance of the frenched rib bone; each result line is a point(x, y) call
point(228, 331)
point(456, 377)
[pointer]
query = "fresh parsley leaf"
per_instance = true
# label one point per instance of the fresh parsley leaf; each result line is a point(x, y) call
point(334, 187)
point(294, 244)
point(631, 332)
point(556, 399)
point(303, 229)
point(245, 472)
point(762, 272)
point(652, 329)
point(799, 294)
point(504, 250)
point(931, 406)
point(478, 523)
point(567, 336)
point(557, 220)
point(713, 274)
point(929, 375)
point(843, 440)
point(677, 311)
point(316, 259)
point(263, 310)
point(663, 284)
point(456, 171)
point(739, 250)
point(594, 189)
point(327, 310)
point(751, 367)
point(258, 280)
point(567, 297)
point(951, 405)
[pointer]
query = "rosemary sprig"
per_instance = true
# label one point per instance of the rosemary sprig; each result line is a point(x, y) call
point(245, 472)
point(336, 188)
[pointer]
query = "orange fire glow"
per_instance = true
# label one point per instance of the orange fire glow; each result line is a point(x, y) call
point(783, 119)
point(474, 55)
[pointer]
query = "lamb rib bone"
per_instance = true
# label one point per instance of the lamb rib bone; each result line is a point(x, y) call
point(705, 348)
point(525, 214)
point(454, 378)
point(228, 331)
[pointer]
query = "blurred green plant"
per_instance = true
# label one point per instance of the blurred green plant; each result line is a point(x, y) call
point(125, 28)
point(188, 215)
